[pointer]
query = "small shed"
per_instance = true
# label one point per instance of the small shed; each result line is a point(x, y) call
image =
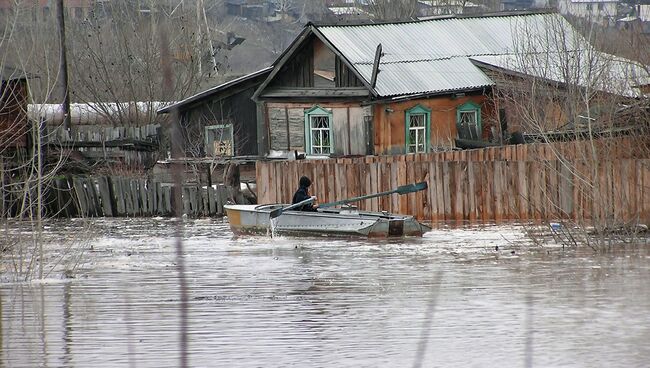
point(221, 121)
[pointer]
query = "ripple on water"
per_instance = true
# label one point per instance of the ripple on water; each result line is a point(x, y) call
point(318, 302)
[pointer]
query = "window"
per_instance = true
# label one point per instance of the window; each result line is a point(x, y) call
point(600, 6)
point(318, 131)
point(418, 126)
point(468, 121)
point(590, 7)
point(219, 140)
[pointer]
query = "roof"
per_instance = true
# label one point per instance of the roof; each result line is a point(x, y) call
point(430, 76)
point(214, 90)
point(347, 10)
point(433, 55)
point(607, 73)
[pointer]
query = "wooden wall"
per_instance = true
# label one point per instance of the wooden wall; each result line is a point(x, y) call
point(134, 146)
point(13, 114)
point(287, 126)
point(237, 109)
point(389, 121)
point(513, 183)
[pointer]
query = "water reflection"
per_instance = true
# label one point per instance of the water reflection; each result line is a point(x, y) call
point(449, 299)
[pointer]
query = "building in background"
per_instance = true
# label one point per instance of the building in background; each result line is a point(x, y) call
point(599, 11)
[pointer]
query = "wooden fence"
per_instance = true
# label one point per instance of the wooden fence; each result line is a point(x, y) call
point(513, 183)
point(133, 146)
point(75, 196)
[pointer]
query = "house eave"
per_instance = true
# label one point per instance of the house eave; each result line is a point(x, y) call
point(307, 93)
point(417, 96)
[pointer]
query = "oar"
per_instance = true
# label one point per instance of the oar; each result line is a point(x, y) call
point(278, 211)
point(404, 189)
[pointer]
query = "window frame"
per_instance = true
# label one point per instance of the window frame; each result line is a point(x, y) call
point(417, 110)
point(211, 152)
point(469, 106)
point(318, 111)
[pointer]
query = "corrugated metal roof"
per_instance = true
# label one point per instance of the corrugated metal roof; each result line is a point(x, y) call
point(426, 76)
point(415, 53)
point(442, 38)
point(586, 68)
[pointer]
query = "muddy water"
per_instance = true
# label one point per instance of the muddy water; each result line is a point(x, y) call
point(446, 300)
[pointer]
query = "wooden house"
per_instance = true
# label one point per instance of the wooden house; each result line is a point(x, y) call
point(13, 109)
point(389, 88)
point(220, 133)
point(221, 121)
point(394, 88)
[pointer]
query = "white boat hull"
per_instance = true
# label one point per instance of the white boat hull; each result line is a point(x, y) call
point(252, 219)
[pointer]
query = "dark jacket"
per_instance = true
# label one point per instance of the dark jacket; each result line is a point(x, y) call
point(301, 194)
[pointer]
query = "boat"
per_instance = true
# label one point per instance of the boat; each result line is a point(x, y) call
point(350, 222)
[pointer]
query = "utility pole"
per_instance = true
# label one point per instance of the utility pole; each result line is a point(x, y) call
point(63, 65)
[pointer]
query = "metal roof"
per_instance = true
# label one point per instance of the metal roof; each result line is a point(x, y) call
point(432, 55)
point(426, 76)
point(586, 68)
point(209, 92)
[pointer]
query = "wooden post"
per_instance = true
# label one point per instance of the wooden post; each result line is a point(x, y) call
point(128, 199)
point(151, 197)
point(212, 202)
point(2, 189)
point(80, 196)
point(63, 65)
point(187, 205)
point(105, 194)
point(93, 198)
point(119, 196)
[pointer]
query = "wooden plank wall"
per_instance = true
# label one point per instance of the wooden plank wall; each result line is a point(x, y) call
point(513, 183)
point(102, 134)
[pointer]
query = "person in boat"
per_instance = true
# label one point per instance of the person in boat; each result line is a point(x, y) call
point(303, 193)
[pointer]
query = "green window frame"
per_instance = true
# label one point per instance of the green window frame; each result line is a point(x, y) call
point(417, 126)
point(468, 121)
point(319, 135)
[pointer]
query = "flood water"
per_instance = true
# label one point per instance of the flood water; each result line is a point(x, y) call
point(449, 299)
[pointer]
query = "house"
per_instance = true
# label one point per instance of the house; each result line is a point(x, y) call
point(254, 9)
point(41, 9)
point(221, 121)
point(601, 94)
point(13, 109)
point(598, 11)
point(445, 7)
point(512, 5)
point(401, 87)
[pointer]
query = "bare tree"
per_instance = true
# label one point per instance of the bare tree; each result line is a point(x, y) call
point(557, 86)
point(391, 9)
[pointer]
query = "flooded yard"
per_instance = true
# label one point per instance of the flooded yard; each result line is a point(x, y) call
point(473, 297)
